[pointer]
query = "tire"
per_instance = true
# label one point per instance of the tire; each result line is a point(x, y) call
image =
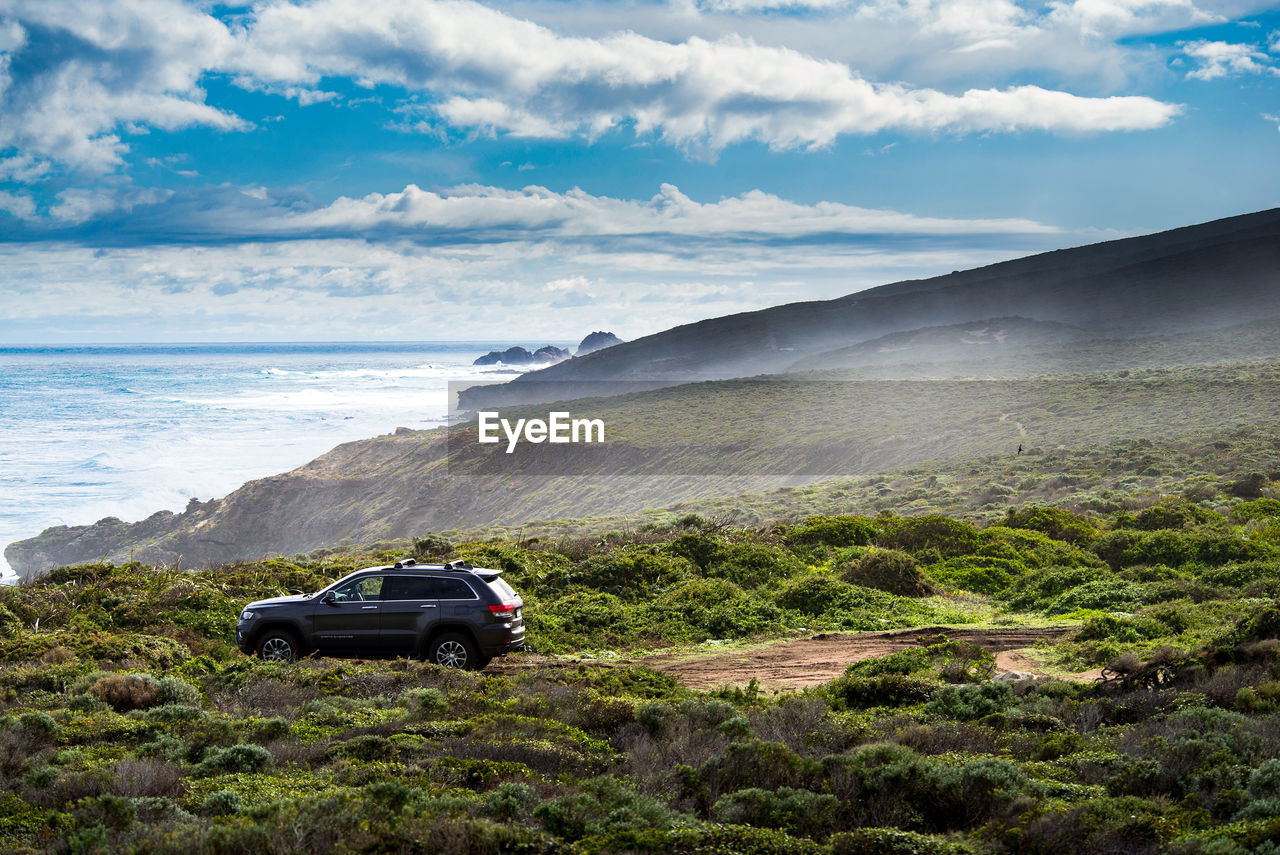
point(279, 645)
point(454, 650)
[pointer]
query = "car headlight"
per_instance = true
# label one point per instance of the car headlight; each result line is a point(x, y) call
point(246, 615)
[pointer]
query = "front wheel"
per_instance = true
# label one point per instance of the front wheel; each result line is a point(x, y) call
point(279, 646)
point(454, 650)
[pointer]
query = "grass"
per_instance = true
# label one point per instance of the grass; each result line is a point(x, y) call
point(130, 723)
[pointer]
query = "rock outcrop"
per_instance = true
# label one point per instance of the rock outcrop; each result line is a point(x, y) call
point(545, 355)
point(597, 341)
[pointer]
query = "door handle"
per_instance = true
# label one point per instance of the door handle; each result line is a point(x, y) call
point(368, 607)
point(427, 606)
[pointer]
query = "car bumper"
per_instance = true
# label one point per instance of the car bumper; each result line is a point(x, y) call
point(242, 641)
point(497, 640)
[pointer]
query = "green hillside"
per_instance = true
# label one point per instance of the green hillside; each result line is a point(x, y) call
point(129, 722)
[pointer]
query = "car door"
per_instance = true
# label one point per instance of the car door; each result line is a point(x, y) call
point(351, 618)
point(409, 607)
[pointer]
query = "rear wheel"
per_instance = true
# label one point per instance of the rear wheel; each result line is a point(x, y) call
point(279, 645)
point(454, 650)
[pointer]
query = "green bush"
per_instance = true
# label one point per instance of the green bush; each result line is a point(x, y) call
point(891, 841)
point(175, 690)
point(234, 758)
point(944, 536)
point(834, 531)
point(795, 811)
point(973, 701)
point(221, 803)
point(1057, 523)
point(889, 570)
point(855, 692)
point(978, 573)
point(632, 573)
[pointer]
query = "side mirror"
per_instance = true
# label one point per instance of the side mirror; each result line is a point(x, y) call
point(328, 598)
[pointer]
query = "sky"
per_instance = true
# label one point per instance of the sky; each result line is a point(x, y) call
point(454, 170)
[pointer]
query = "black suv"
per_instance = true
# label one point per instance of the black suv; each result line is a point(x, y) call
point(453, 614)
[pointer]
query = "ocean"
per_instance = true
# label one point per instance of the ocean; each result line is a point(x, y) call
point(124, 431)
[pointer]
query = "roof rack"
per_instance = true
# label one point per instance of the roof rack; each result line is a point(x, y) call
point(405, 562)
point(457, 565)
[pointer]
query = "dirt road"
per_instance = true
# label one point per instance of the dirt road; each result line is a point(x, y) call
point(813, 661)
point(820, 659)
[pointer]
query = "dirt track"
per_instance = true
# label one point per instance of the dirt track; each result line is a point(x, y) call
point(821, 658)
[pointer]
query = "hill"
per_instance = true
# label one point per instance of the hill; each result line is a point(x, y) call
point(683, 443)
point(1194, 278)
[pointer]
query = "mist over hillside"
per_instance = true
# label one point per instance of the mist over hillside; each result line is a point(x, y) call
point(1195, 278)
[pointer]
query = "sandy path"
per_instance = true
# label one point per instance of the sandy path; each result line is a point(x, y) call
point(812, 661)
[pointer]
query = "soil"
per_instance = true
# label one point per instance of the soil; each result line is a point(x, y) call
point(821, 658)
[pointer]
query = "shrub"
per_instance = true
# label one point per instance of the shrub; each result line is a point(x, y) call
point(855, 692)
point(1249, 486)
point(891, 841)
point(836, 531)
point(751, 565)
point(1171, 513)
point(235, 758)
point(795, 811)
point(127, 691)
point(982, 574)
point(1256, 509)
point(39, 725)
point(714, 608)
point(888, 570)
point(972, 701)
point(1057, 523)
point(1103, 595)
point(368, 747)
point(936, 533)
point(632, 572)
point(757, 763)
point(510, 801)
point(1264, 781)
point(175, 690)
point(221, 803)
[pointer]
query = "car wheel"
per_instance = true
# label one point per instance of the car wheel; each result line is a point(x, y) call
point(454, 650)
point(279, 646)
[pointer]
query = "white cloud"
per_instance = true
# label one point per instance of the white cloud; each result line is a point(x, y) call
point(477, 211)
point(130, 65)
point(526, 80)
point(129, 62)
point(77, 205)
point(1223, 59)
point(1122, 17)
point(18, 205)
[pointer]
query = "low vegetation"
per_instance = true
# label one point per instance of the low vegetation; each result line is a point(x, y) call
point(129, 722)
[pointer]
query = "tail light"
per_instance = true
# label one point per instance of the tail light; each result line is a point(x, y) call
point(503, 608)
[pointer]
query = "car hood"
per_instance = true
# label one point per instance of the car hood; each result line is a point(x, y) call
point(277, 601)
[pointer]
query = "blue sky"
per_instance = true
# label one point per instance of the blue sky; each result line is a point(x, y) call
point(416, 169)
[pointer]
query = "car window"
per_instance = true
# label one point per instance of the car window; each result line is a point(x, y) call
point(452, 589)
point(407, 588)
point(364, 588)
point(499, 584)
